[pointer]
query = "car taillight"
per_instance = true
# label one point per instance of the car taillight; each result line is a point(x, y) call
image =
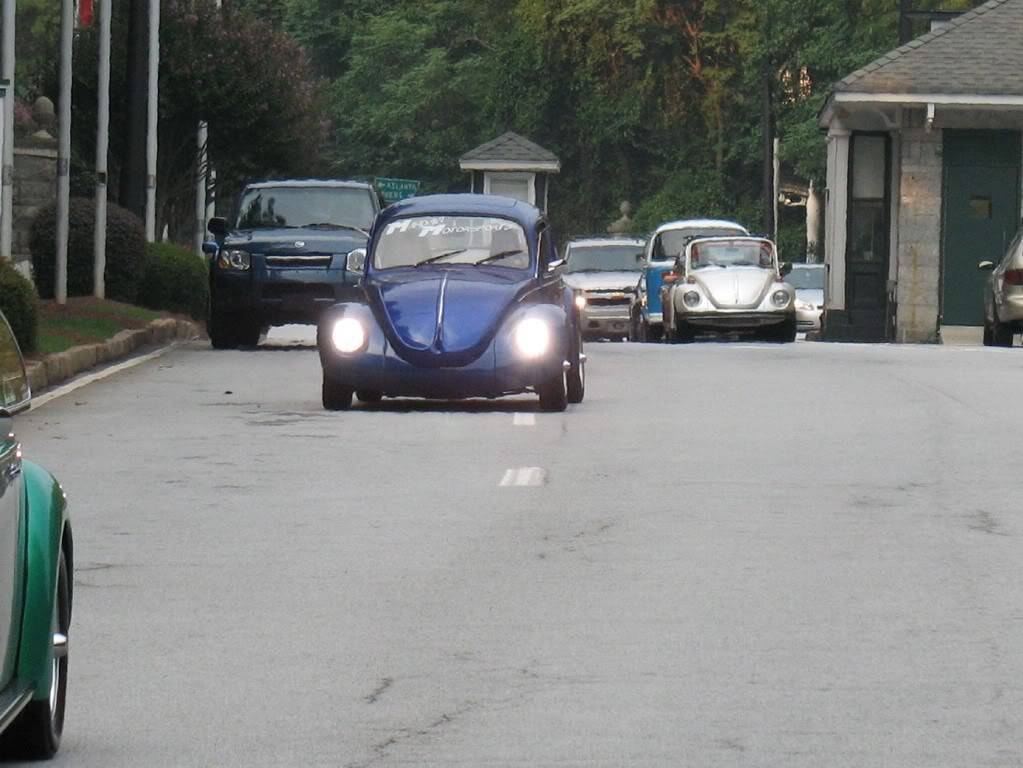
point(669, 277)
point(1014, 277)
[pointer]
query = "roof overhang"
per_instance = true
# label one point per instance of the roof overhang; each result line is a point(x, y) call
point(926, 100)
point(499, 165)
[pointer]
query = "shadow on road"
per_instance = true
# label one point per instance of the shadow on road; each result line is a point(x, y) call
point(406, 405)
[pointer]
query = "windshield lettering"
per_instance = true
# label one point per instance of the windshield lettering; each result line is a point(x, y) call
point(463, 240)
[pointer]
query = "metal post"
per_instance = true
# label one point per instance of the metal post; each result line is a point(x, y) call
point(7, 164)
point(67, 26)
point(152, 117)
point(776, 182)
point(200, 188)
point(102, 145)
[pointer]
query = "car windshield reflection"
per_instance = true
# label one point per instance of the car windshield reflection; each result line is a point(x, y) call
point(605, 259)
point(291, 207)
point(731, 254)
point(456, 240)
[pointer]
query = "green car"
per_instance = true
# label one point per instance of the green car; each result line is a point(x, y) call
point(35, 581)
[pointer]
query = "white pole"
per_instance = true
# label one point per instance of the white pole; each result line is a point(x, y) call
point(777, 186)
point(211, 198)
point(102, 145)
point(7, 165)
point(67, 26)
point(200, 188)
point(151, 120)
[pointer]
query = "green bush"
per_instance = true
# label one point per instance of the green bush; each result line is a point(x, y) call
point(18, 303)
point(126, 251)
point(174, 279)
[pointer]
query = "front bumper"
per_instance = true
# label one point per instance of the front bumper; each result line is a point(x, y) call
point(1010, 305)
point(610, 319)
point(279, 296)
point(808, 320)
point(737, 320)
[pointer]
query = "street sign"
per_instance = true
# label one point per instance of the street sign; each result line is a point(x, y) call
point(394, 190)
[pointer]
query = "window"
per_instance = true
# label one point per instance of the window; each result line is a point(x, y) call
point(518, 186)
point(14, 389)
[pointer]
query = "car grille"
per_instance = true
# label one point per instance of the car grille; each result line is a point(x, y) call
point(320, 261)
point(298, 290)
point(608, 299)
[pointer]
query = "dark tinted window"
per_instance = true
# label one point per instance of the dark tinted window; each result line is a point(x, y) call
point(669, 245)
point(268, 207)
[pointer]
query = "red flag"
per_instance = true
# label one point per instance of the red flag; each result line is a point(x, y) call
point(85, 13)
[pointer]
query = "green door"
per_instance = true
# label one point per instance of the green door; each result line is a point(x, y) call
point(981, 215)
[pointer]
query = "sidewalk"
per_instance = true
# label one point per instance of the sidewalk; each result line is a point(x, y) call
point(962, 335)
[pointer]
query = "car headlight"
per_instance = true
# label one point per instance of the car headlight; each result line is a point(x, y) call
point(580, 302)
point(234, 259)
point(532, 337)
point(780, 299)
point(691, 299)
point(348, 335)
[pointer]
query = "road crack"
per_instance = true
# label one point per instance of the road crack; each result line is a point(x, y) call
point(379, 691)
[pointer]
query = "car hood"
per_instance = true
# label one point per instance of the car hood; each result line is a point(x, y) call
point(603, 281)
point(443, 317)
point(813, 296)
point(296, 241)
point(735, 287)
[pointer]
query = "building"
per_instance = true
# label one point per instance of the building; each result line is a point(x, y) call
point(924, 182)
point(512, 166)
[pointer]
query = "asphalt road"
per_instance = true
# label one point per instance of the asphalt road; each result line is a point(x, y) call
point(730, 554)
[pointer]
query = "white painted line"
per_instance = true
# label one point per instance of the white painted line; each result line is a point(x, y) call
point(525, 420)
point(91, 378)
point(523, 477)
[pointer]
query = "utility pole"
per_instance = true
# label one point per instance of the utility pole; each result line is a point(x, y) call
point(152, 117)
point(7, 164)
point(201, 172)
point(767, 128)
point(102, 147)
point(67, 28)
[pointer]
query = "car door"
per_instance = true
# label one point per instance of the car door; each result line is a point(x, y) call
point(14, 397)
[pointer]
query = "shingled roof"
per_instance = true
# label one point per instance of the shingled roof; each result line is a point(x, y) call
point(980, 52)
point(510, 150)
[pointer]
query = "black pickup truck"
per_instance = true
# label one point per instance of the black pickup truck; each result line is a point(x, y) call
point(284, 255)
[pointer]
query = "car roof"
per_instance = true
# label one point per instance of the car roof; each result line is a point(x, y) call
point(339, 183)
point(699, 224)
point(463, 205)
point(601, 242)
point(730, 239)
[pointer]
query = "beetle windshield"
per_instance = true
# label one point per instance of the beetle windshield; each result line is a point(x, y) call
point(271, 207)
point(605, 258)
point(471, 240)
point(806, 278)
point(671, 243)
point(732, 253)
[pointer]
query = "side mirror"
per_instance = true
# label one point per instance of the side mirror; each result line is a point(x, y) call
point(986, 266)
point(785, 268)
point(217, 226)
point(356, 261)
point(554, 266)
point(210, 249)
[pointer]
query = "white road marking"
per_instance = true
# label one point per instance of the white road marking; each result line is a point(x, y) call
point(91, 378)
point(523, 476)
point(525, 420)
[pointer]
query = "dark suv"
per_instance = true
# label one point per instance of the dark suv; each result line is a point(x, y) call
point(284, 257)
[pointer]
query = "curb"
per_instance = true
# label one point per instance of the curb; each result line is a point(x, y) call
point(59, 367)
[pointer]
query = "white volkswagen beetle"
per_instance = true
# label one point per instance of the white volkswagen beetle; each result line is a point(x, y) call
point(727, 285)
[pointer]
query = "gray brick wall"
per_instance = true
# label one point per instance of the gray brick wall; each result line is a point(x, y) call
point(35, 186)
point(919, 262)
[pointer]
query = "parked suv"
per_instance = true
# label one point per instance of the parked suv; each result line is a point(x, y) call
point(283, 257)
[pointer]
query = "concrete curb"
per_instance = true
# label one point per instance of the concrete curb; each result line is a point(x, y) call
point(57, 368)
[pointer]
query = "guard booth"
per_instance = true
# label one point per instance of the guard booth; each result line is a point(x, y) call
point(512, 166)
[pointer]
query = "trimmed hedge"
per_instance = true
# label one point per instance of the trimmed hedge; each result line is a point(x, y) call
point(126, 251)
point(18, 302)
point(175, 279)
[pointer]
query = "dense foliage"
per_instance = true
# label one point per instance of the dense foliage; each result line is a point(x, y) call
point(126, 248)
point(18, 303)
point(174, 279)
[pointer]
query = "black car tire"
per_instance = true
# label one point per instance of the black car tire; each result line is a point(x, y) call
point(248, 332)
point(223, 334)
point(652, 334)
point(553, 394)
point(336, 397)
point(683, 333)
point(576, 378)
point(637, 330)
point(989, 336)
point(36, 734)
point(1001, 335)
point(369, 396)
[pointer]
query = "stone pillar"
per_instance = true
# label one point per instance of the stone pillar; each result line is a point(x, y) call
point(813, 224)
point(836, 218)
point(35, 187)
point(919, 243)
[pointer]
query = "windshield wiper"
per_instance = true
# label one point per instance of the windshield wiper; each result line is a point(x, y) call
point(440, 257)
point(330, 225)
point(499, 256)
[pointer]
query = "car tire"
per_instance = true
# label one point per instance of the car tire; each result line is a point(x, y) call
point(336, 397)
point(683, 333)
point(786, 333)
point(1001, 335)
point(223, 334)
point(369, 396)
point(576, 377)
point(637, 330)
point(36, 734)
point(989, 336)
point(249, 332)
point(652, 333)
point(553, 394)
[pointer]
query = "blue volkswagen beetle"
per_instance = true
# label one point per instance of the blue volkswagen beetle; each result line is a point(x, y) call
point(462, 297)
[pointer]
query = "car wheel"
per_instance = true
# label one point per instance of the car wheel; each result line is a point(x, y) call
point(335, 396)
point(1001, 335)
point(223, 335)
point(36, 734)
point(786, 332)
point(683, 333)
point(637, 330)
point(249, 332)
point(553, 394)
point(576, 378)
point(369, 396)
point(653, 333)
point(989, 336)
